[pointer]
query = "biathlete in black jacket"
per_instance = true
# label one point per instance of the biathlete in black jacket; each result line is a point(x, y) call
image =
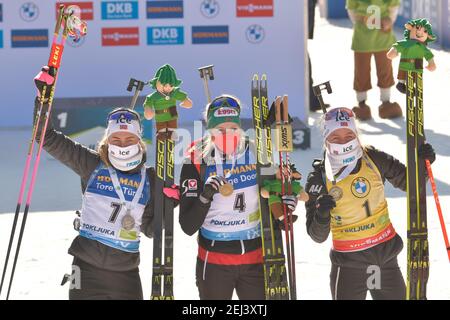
point(219, 198)
point(116, 205)
point(347, 198)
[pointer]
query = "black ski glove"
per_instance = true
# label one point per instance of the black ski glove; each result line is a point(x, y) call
point(426, 152)
point(46, 77)
point(324, 204)
point(212, 186)
point(281, 224)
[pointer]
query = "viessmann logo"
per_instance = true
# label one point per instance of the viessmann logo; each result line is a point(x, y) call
point(165, 9)
point(128, 36)
point(29, 38)
point(86, 8)
point(254, 8)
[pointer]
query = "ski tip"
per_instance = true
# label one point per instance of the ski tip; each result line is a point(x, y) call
point(255, 77)
point(264, 81)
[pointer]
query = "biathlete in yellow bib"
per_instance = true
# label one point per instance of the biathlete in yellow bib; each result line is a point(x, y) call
point(347, 199)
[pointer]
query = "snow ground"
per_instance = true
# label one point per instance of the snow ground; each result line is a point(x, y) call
point(44, 258)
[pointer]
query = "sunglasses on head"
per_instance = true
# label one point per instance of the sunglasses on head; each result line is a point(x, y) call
point(223, 102)
point(339, 114)
point(122, 115)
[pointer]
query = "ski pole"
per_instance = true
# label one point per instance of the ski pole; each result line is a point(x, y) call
point(139, 85)
point(206, 73)
point(22, 188)
point(70, 21)
point(283, 146)
point(290, 148)
point(438, 206)
point(27, 165)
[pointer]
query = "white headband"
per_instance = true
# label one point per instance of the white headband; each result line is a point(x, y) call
point(124, 124)
point(338, 118)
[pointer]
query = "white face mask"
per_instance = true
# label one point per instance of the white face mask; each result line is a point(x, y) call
point(341, 155)
point(125, 158)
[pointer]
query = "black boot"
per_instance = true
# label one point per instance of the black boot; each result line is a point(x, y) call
point(401, 87)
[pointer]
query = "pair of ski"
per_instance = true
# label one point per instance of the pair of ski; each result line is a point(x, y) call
point(163, 221)
point(162, 271)
point(418, 262)
point(279, 285)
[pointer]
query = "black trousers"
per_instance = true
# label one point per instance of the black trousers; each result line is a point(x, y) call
point(99, 284)
point(218, 282)
point(353, 283)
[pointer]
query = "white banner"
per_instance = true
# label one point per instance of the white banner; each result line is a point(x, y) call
point(133, 38)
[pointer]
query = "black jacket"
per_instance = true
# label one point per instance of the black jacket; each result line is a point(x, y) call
point(193, 212)
point(390, 169)
point(83, 161)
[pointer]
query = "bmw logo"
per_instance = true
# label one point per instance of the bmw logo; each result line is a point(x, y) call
point(255, 33)
point(360, 187)
point(29, 11)
point(210, 8)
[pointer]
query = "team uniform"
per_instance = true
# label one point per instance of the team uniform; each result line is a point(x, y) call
point(106, 251)
point(229, 237)
point(362, 233)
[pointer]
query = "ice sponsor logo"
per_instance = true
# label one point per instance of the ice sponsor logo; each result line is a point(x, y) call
point(165, 35)
point(254, 8)
point(166, 9)
point(226, 112)
point(86, 8)
point(210, 35)
point(1, 39)
point(115, 10)
point(210, 8)
point(123, 120)
point(126, 36)
point(29, 38)
point(29, 11)
point(255, 33)
point(1, 12)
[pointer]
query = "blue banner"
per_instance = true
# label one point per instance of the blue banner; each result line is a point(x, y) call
point(157, 9)
point(29, 38)
point(117, 10)
point(210, 34)
point(165, 35)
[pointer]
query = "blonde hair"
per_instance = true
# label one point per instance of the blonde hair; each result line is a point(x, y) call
point(102, 149)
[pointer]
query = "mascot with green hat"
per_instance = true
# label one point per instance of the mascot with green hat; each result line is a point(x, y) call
point(413, 49)
point(161, 104)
